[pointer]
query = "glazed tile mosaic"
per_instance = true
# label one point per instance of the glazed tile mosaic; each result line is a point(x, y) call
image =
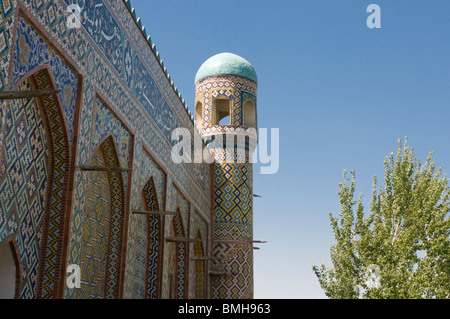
point(233, 178)
point(116, 111)
point(24, 183)
point(95, 233)
point(200, 270)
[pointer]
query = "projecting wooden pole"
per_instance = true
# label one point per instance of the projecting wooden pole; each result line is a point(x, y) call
point(104, 169)
point(258, 241)
point(146, 212)
point(16, 95)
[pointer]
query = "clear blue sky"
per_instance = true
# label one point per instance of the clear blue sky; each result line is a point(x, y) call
point(340, 93)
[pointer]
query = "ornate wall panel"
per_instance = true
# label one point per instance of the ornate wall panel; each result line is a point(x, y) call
point(139, 262)
point(113, 83)
point(33, 51)
point(201, 271)
point(148, 193)
point(181, 259)
point(198, 270)
point(102, 227)
point(232, 230)
point(115, 140)
point(59, 154)
point(233, 218)
point(95, 232)
point(40, 222)
point(24, 184)
point(236, 88)
point(154, 242)
point(7, 21)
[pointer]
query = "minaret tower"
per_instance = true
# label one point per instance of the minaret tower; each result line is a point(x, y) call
point(225, 115)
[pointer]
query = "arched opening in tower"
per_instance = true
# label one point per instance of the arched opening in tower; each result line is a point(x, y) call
point(221, 111)
point(199, 115)
point(249, 114)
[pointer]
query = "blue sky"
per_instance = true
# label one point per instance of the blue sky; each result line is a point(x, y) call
point(340, 93)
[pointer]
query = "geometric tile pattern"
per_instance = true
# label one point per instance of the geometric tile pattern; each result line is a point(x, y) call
point(148, 169)
point(181, 259)
point(133, 71)
point(233, 201)
point(242, 139)
point(7, 20)
point(248, 96)
point(148, 193)
point(106, 123)
point(179, 262)
point(233, 183)
point(153, 259)
point(171, 256)
point(180, 204)
point(32, 51)
point(59, 161)
point(200, 271)
point(117, 62)
point(217, 93)
point(100, 126)
point(102, 229)
point(151, 113)
point(235, 257)
point(199, 228)
point(24, 183)
point(107, 59)
point(139, 271)
point(47, 240)
point(232, 229)
point(236, 88)
point(108, 134)
point(117, 195)
point(96, 224)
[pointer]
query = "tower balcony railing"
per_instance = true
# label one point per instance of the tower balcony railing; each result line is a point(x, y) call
point(224, 129)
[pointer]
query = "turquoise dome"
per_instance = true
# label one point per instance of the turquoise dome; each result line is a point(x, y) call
point(226, 63)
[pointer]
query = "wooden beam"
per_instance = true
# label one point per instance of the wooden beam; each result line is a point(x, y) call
point(146, 212)
point(254, 195)
point(15, 95)
point(258, 241)
point(103, 168)
point(183, 239)
point(256, 248)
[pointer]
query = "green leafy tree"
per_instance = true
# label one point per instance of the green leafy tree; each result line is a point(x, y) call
point(400, 248)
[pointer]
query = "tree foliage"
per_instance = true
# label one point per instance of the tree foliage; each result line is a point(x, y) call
point(404, 237)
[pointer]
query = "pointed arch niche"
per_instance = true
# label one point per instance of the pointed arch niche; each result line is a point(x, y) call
point(35, 165)
point(200, 269)
point(148, 259)
point(177, 260)
point(103, 226)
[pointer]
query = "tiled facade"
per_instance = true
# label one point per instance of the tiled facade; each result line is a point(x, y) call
point(233, 183)
point(117, 108)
